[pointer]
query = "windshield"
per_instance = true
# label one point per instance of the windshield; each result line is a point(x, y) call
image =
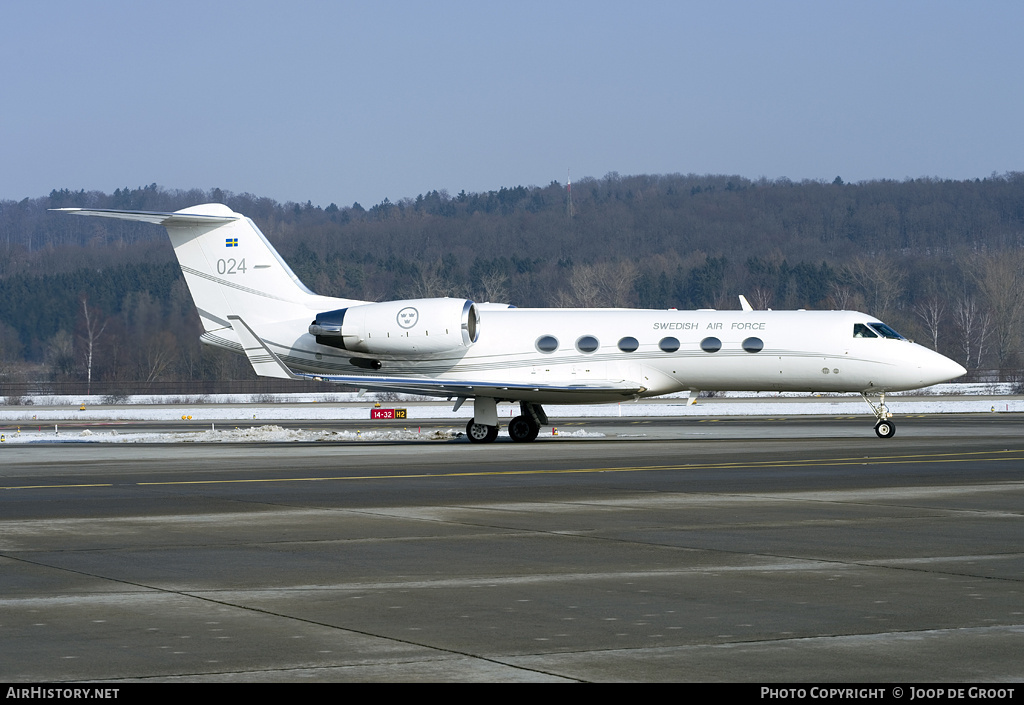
point(886, 331)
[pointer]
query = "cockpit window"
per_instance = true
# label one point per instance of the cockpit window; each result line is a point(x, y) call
point(862, 331)
point(886, 331)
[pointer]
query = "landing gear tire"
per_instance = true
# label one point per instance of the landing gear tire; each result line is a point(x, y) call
point(479, 433)
point(885, 429)
point(521, 430)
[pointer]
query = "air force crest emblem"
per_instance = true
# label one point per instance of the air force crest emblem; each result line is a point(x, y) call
point(408, 317)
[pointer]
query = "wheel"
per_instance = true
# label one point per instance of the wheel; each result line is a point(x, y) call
point(479, 433)
point(885, 429)
point(521, 430)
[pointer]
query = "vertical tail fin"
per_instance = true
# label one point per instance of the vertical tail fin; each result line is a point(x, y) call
point(229, 266)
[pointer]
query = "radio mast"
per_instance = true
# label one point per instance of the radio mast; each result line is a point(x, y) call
point(569, 210)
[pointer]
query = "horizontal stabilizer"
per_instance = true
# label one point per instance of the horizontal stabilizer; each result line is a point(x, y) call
point(152, 217)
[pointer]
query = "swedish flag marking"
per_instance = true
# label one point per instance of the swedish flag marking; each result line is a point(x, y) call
point(231, 242)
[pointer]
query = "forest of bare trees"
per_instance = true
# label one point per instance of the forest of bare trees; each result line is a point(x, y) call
point(97, 301)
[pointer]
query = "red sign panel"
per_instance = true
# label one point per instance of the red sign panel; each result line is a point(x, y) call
point(388, 414)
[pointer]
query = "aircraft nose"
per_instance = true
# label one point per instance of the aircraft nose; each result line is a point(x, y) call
point(940, 368)
point(958, 369)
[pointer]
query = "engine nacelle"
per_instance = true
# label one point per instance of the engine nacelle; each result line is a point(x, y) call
point(410, 327)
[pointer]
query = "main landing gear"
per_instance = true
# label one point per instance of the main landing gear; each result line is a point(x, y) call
point(884, 426)
point(522, 429)
point(480, 433)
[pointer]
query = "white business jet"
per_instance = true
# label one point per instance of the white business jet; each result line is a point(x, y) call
point(250, 301)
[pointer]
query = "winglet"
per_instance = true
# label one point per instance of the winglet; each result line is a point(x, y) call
point(264, 361)
point(744, 304)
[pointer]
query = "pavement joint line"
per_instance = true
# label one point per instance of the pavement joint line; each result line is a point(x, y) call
point(198, 596)
point(863, 460)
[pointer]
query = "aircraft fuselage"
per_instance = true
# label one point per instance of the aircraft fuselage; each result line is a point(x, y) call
point(663, 351)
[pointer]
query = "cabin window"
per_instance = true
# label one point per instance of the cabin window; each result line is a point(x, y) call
point(886, 331)
point(711, 345)
point(547, 343)
point(629, 344)
point(752, 345)
point(587, 344)
point(669, 345)
point(862, 331)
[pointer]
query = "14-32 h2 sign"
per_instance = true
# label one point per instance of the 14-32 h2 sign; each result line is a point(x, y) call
point(388, 414)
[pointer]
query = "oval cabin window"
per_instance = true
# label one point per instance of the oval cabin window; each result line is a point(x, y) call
point(547, 343)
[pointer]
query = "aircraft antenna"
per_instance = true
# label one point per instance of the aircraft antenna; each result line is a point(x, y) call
point(569, 209)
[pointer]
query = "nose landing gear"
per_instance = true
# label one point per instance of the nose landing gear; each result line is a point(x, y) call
point(884, 426)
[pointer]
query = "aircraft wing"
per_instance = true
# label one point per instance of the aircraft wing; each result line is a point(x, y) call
point(458, 388)
point(266, 363)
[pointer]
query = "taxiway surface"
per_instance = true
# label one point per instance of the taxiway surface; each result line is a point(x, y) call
point(729, 550)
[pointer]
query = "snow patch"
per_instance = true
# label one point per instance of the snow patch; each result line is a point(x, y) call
point(258, 434)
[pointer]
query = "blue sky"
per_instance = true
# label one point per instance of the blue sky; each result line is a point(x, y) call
point(342, 102)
